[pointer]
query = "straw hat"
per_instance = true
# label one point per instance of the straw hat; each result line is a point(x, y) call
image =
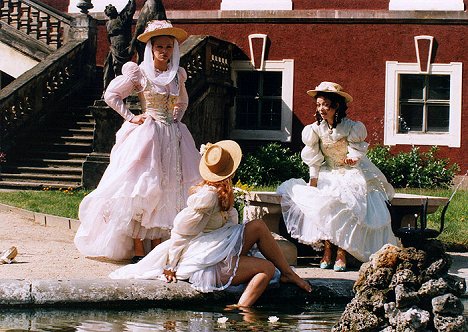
point(162, 28)
point(220, 160)
point(331, 88)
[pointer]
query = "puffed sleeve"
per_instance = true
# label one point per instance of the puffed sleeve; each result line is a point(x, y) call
point(190, 222)
point(311, 153)
point(357, 147)
point(122, 86)
point(182, 100)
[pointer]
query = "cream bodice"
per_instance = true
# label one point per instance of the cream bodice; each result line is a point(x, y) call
point(160, 106)
point(334, 152)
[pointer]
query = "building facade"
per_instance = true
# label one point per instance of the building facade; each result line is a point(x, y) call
point(404, 62)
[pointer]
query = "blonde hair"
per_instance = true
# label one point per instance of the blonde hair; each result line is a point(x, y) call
point(224, 190)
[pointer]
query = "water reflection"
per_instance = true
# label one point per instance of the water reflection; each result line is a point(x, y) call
point(291, 318)
point(312, 317)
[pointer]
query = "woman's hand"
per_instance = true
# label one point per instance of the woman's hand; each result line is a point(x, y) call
point(170, 275)
point(350, 161)
point(138, 119)
point(313, 182)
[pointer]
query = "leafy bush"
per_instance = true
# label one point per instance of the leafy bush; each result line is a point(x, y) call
point(414, 169)
point(270, 165)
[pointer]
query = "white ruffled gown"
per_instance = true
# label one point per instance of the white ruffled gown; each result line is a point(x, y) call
point(204, 247)
point(348, 206)
point(152, 166)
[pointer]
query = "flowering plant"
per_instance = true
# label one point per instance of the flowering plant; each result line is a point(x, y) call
point(241, 196)
point(2, 157)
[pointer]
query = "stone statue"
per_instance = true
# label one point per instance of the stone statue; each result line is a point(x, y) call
point(119, 34)
point(151, 10)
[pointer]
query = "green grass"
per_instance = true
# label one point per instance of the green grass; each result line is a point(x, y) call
point(65, 203)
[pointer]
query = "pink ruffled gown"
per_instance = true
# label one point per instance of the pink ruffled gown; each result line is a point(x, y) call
point(152, 166)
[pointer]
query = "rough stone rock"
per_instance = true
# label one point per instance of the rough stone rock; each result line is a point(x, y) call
point(456, 285)
point(404, 277)
point(380, 278)
point(413, 319)
point(433, 288)
point(405, 296)
point(412, 257)
point(357, 318)
point(436, 270)
point(447, 305)
point(386, 257)
point(450, 324)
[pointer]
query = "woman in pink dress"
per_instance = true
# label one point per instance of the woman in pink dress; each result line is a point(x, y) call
point(154, 160)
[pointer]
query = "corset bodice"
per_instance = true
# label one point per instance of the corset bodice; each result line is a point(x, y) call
point(160, 106)
point(334, 152)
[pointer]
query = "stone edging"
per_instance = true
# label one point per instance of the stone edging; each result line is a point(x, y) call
point(42, 219)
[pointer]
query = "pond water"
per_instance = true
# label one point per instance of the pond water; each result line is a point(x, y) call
point(290, 318)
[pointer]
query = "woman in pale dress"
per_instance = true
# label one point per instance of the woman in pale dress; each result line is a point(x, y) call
point(208, 247)
point(344, 203)
point(154, 161)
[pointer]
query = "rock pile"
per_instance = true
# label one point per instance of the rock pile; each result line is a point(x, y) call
point(406, 289)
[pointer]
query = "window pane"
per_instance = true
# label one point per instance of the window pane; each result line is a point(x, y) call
point(272, 83)
point(438, 118)
point(411, 117)
point(247, 83)
point(439, 87)
point(411, 86)
point(270, 116)
point(246, 113)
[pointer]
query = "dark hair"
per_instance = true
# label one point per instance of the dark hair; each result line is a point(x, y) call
point(338, 102)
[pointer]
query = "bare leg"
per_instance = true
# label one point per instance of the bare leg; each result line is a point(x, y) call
point(257, 232)
point(257, 272)
point(340, 263)
point(155, 242)
point(138, 247)
point(327, 253)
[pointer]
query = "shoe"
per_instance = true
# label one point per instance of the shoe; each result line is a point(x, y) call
point(136, 259)
point(8, 256)
point(325, 265)
point(339, 266)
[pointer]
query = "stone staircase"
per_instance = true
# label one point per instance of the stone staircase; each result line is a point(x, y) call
point(52, 156)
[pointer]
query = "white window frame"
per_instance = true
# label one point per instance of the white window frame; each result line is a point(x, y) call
point(427, 5)
point(284, 134)
point(256, 5)
point(452, 138)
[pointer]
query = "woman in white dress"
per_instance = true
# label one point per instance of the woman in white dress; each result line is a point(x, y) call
point(208, 247)
point(344, 203)
point(154, 161)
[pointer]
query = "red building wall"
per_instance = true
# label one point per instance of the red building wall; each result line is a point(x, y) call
point(353, 54)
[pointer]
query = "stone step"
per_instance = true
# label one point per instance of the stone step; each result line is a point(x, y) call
point(44, 169)
point(34, 185)
point(41, 177)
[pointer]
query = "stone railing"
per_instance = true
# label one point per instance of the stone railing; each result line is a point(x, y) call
point(38, 20)
point(24, 100)
point(206, 59)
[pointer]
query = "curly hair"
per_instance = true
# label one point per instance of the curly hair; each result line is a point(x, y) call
point(337, 102)
point(224, 190)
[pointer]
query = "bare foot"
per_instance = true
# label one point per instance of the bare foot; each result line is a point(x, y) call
point(293, 278)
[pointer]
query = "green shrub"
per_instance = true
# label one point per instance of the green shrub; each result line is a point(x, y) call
point(270, 165)
point(414, 169)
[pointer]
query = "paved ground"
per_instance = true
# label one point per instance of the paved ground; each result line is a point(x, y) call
point(49, 268)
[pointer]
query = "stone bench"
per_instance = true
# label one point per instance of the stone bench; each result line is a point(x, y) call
point(267, 206)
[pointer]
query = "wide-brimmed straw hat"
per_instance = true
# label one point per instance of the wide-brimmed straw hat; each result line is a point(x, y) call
point(220, 160)
point(162, 28)
point(330, 87)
